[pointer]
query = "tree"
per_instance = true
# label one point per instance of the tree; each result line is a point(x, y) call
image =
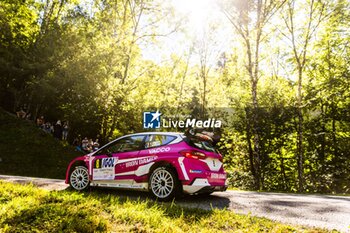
point(17, 35)
point(327, 95)
point(300, 38)
point(249, 19)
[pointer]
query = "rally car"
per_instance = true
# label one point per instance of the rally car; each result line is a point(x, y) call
point(166, 164)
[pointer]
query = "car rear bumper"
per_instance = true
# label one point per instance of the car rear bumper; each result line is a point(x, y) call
point(210, 189)
point(201, 185)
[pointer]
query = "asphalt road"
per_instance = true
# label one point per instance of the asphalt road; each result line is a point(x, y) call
point(324, 211)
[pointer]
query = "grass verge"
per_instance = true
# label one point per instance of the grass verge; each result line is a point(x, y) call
point(29, 151)
point(25, 208)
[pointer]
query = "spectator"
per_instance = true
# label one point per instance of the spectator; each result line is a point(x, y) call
point(52, 127)
point(90, 145)
point(96, 145)
point(28, 116)
point(48, 128)
point(77, 143)
point(21, 113)
point(84, 144)
point(65, 131)
point(40, 121)
point(25, 108)
point(58, 130)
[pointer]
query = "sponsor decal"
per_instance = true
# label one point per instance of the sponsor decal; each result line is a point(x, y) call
point(105, 162)
point(153, 144)
point(104, 169)
point(217, 176)
point(140, 161)
point(108, 162)
point(103, 174)
point(195, 171)
point(131, 163)
point(158, 150)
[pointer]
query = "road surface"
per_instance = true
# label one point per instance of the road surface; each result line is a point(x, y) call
point(324, 211)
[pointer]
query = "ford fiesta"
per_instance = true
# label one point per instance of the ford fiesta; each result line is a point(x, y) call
point(166, 164)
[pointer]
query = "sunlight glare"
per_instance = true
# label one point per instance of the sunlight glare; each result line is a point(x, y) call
point(198, 12)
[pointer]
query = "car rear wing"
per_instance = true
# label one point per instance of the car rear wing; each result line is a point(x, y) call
point(203, 135)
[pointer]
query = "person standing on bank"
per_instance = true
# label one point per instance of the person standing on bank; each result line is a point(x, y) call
point(58, 130)
point(65, 131)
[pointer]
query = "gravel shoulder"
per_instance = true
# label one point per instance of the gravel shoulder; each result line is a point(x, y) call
point(324, 211)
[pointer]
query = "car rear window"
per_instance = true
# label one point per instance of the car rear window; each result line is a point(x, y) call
point(200, 144)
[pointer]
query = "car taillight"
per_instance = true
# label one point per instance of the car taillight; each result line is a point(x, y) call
point(192, 154)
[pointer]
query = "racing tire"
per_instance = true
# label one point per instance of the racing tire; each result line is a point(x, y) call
point(164, 184)
point(79, 178)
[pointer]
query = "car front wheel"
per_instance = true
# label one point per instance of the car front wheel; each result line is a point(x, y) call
point(79, 178)
point(163, 184)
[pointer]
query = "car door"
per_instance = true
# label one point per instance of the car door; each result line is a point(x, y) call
point(110, 163)
point(155, 146)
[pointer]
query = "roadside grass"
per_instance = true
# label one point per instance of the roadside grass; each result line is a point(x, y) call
point(25, 208)
point(29, 151)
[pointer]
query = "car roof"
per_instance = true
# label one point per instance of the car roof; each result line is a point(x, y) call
point(160, 133)
point(176, 134)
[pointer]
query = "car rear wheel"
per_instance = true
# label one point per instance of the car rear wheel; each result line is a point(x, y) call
point(163, 184)
point(79, 178)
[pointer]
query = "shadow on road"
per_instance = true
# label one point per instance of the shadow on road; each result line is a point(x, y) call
point(205, 202)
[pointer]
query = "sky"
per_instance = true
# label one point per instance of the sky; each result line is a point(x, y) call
point(198, 16)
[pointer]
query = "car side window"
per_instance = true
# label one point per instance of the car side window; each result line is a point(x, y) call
point(155, 140)
point(127, 144)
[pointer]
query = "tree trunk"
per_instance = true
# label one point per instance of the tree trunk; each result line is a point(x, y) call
point(283, 173)
point(334, 133)
point(204, 93)
point(250, 150)
point(300, 149)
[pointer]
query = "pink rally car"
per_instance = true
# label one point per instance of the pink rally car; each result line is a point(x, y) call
point(166, 164)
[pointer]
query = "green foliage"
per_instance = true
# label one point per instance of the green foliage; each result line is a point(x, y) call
point(29, 209)
point(328, 99)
